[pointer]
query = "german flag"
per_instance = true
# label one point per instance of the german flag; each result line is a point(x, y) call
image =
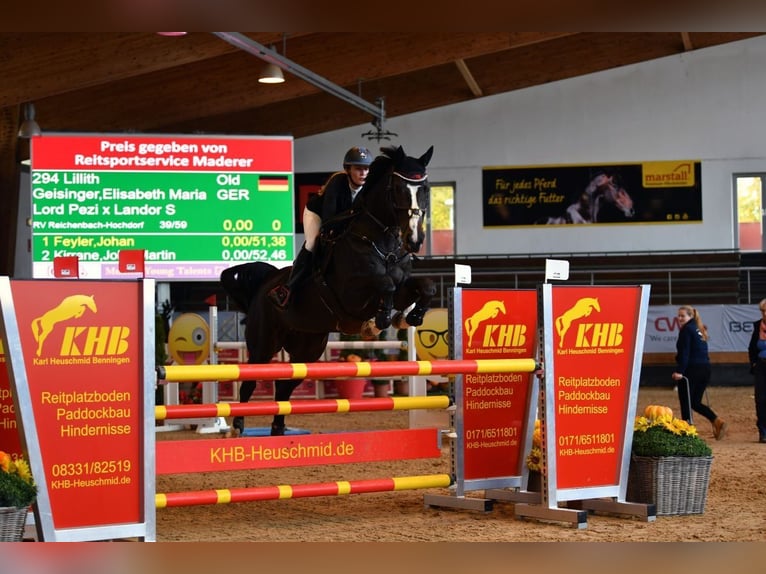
point(273, 184)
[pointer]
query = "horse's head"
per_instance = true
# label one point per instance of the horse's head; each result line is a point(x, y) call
point(608, 195)
point(407, 192)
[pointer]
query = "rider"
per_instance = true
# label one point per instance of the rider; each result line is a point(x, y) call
point(336, 196)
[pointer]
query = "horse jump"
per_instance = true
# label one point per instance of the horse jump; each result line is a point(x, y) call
point(421, 442)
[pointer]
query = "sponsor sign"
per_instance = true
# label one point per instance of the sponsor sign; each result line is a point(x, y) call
point(82, 344)
point(659, 192)
point(729, 327)
point(498, 324)
point(296, 450)
point(589, 378)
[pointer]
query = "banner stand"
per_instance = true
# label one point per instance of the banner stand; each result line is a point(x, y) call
point(82, 379)
point(492, 421)
point(587, 405)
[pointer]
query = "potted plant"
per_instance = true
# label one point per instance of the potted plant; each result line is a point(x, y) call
point(17, 493)
point(670, 463)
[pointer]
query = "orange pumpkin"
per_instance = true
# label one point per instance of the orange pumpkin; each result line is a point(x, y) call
point(653, 412)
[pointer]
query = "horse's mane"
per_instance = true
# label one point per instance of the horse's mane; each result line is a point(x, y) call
point(379, 167)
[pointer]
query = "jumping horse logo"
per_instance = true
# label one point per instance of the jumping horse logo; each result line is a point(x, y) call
point(582, 308)
point(72, 307)
point(490, 310)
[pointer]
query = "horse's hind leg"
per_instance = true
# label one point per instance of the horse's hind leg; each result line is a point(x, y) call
point(283, 390)
point(246, 389)
point(302, 348)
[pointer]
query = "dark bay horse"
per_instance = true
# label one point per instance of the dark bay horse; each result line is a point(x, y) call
point(362, 276)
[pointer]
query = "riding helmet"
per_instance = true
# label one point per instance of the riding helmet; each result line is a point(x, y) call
point(357, 156)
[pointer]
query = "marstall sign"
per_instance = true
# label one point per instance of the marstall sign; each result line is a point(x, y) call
point(662, 191)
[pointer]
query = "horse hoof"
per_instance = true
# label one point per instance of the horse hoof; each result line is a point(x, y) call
point(238, 426)
point(415, 317)
point(382, 321)
point(277, 430)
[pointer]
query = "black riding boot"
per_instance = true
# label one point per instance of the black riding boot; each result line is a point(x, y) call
point(280, 295)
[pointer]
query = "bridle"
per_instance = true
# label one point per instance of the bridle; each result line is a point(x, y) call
point(399, 252)
point(417, 178)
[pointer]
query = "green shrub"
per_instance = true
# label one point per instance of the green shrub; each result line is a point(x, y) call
point(658, 441)
point(15, 491)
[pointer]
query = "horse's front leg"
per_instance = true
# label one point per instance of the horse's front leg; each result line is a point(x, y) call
point(422, 291)
point(385, 286)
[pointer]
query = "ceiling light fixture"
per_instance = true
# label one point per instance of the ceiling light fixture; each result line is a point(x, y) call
point(271, 73)
point(257, 49)
point(29, 127)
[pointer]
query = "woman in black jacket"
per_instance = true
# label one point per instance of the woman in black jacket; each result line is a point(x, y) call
point(757, 353)
point(693, 362)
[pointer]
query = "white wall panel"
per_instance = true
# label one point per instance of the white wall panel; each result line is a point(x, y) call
point(704, 105)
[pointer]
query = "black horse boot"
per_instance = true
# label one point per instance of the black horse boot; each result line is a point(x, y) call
point(238, 424)
point(280, 295)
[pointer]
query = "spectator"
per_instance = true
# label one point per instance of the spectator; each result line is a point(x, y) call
point(757, 353)
point(693, 362)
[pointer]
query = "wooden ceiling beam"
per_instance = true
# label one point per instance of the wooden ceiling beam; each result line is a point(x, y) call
point(687, 41)
point(226, 84)
point(48, 64)
point(468, 77)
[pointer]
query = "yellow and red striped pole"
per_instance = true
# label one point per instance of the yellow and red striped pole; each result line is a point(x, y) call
point(330, 370)
point(164, 412)
point(285, 491)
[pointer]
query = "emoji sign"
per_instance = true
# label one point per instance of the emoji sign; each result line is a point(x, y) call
point(432, 337)
point(189, 340)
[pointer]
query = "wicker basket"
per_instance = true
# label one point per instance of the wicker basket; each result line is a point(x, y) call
point(12, 523)
point(675, 484)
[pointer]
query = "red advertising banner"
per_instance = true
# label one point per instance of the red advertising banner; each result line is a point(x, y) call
point(297, 450)
point(82, 347)
point(594, 343)
point(496, 325)
point(10, 441)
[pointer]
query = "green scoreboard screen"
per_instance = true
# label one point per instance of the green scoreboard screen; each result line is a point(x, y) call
point(195, 204)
